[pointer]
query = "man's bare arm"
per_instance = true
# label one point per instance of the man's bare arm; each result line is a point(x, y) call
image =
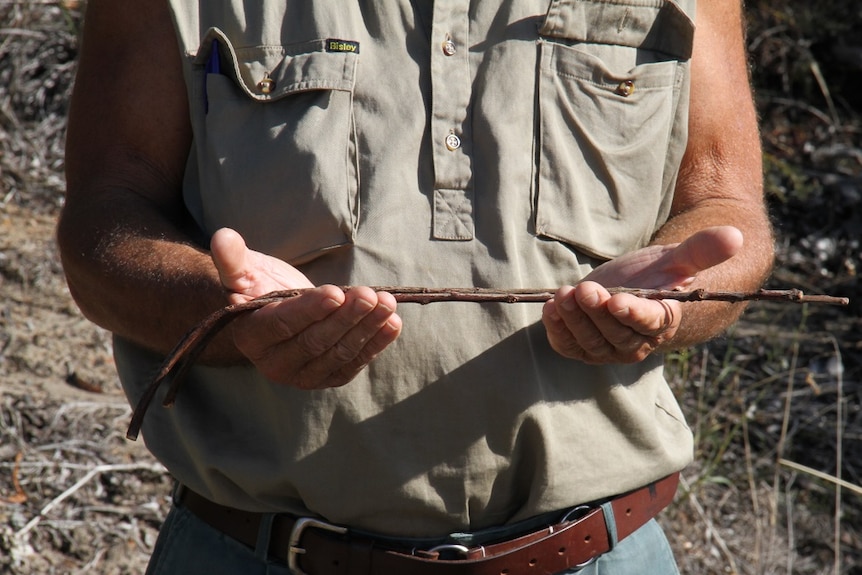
point(129, 266)
point(720, 181)
point(719, 194)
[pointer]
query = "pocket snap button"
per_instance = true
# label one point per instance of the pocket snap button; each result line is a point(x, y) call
point(626, 88)
point(267, 84)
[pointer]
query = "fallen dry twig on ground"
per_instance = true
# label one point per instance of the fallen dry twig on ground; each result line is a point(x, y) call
point(98, 470)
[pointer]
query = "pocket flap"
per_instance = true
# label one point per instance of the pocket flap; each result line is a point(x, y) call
point(267, 73)
point(659, 25)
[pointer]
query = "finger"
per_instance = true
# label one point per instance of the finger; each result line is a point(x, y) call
point(633, 327)
point(317, 338)
point(359, 345)
point(229, 254)
point(588, 330)
point(384, 337)
point(601, 334)
point(705, 249)
point(388, 328)
point(571, 331)
point(358, 348)
point(652, 318)
point(262, 334)
point(285, 320)
point(560, 338)
point(349, 344)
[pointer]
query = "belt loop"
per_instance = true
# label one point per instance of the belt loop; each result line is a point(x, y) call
point(610, 524)
point(264, 534)
point(177, 493)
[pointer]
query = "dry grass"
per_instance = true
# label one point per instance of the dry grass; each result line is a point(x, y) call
point(38, 47)
point(81, 501)
point(775, 488)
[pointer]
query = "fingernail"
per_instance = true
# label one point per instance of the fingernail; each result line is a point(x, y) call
point(363, 305)
point(592, 300)
point(568, 302)
point(622, 312)
point(330, 304)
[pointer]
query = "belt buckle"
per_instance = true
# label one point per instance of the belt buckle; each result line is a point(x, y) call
point(293, 548)
point(576, 514)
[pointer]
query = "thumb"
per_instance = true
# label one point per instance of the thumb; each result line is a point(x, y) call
point(706, 248)
point(229, 254)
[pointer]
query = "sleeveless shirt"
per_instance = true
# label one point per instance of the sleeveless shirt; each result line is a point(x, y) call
point(509, 144)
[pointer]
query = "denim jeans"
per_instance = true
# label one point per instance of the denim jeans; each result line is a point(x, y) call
point(188, 546)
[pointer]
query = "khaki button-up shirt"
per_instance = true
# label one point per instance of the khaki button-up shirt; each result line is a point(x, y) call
point(493, 144)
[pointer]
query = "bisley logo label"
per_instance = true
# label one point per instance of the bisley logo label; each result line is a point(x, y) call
point(333, 45)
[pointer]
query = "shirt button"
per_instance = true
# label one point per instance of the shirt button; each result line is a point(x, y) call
point(453, 142)
point(449, 47)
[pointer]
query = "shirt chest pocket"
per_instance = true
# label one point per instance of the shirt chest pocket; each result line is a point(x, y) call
point(613, 85)
point(275, 145)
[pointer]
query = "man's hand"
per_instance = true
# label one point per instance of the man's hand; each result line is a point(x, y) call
point(320, 339)
point(587, 323)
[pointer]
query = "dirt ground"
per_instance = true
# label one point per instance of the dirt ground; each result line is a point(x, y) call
point(62, 421)
point(776, 405)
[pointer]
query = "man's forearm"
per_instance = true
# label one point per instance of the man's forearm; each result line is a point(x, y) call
point(746, 271)
point(720, 179)
point(136, 274)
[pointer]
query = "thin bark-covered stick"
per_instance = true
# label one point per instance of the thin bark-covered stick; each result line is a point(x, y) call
point(186, 352)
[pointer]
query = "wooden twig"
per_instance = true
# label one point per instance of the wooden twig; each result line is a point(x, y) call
point(186, 352)
point(857, 489)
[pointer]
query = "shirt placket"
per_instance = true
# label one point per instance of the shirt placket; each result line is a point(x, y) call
point(450, 130)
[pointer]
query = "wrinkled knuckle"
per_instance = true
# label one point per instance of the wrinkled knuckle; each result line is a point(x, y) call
point(593, 343)
point(572, 350)
point(279, 328)
point(620, 341)
point(591, 358)
point(577, 321)
point(343, 352)
point(312, 344)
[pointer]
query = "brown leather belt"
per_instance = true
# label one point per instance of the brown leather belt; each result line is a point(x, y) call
point(319, 548)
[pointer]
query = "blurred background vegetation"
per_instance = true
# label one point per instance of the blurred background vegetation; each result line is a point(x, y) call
point(807, 73)
point(775, 404)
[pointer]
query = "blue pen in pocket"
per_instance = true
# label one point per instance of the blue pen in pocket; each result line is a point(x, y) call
point(213, 67)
